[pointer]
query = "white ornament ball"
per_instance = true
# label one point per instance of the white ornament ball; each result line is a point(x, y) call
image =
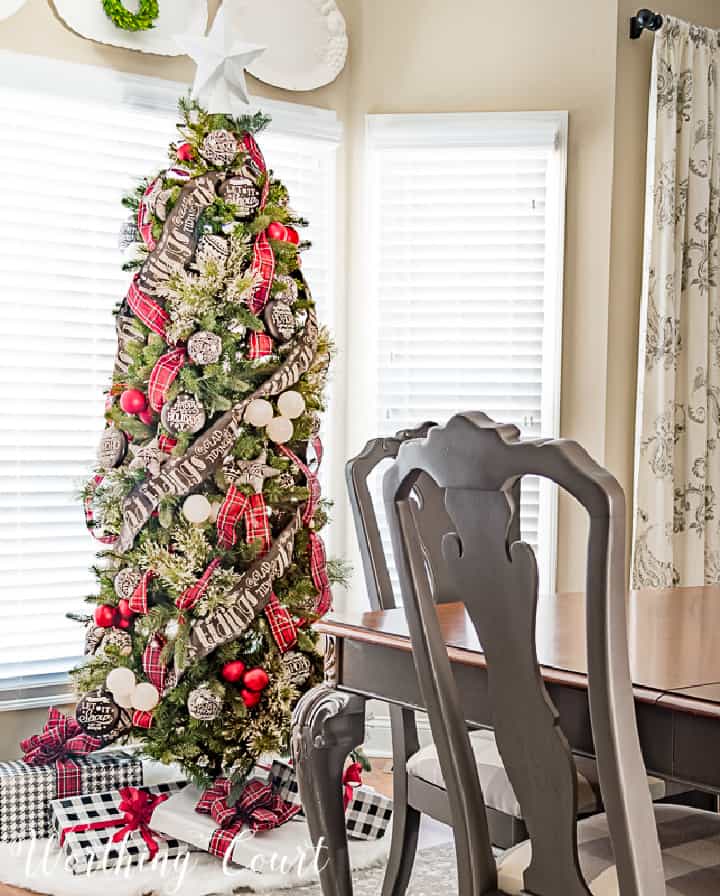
point(280, 430)
point(291, 404)
point(197, 509)
point(120, 681)
point(214, 511)
point(259, 413)
point(125, 701)
point(145, 697)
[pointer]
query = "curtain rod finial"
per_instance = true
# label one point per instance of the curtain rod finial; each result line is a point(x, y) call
point(645, 20)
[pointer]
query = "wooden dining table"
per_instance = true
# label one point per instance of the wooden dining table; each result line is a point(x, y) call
point(674, 644)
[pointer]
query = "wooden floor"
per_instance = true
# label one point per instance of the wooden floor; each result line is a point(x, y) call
point(380, 778)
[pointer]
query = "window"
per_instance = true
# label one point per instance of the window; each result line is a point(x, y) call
point(466, 244)
point(75, 139)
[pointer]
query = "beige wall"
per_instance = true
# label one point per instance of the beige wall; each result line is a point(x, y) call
point(631, 110)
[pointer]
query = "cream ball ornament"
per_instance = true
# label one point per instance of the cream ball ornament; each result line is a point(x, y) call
point(197, 509)
point(291, 404)
point(259, 413)
point(125, 701)
point(120, 681)
point(280, 430)
point(145, 697)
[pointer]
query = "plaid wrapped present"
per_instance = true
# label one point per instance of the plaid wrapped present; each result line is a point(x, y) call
point(26, 791)
point(367, 812)
point(103, 830)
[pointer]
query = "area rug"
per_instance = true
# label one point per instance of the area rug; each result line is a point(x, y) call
point(39, 867)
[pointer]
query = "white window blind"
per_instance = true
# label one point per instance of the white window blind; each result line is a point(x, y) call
point(75, 139)
point(466, 232)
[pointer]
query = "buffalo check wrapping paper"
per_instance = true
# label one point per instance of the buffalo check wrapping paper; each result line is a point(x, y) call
point(89, 851)
point(26, 791)
point(367, 816)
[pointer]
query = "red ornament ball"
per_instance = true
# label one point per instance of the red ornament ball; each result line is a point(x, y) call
point(278, 231)
point(124, 623)
point(132, 401)
point(106, 616)
point(124, 608)
point(256, 679)
point(250, 698)
point(185, 152)
point(147, 417)
point(233, 671)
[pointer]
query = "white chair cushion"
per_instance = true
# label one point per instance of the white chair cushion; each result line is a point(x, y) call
point(689, 838)
point(496, 787)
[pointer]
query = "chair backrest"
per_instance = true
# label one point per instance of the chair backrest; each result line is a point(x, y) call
point(477, 464)
point(430, 505)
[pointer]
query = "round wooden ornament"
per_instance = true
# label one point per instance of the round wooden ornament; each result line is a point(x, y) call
point(279, 320)
point(126, 581)
point(185, 414)
point(204, 347)
point(243, 194)
point(219, 148)
point(97, 713)
point(112, 448)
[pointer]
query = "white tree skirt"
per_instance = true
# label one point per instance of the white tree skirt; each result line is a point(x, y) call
point(39, 867)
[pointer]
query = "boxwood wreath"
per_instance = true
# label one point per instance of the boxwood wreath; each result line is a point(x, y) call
point(142, 20)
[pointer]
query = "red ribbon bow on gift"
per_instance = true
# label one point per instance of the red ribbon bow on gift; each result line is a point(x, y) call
point(352, 778)
point(259, 807)
point(62, 737)
point(137, 807)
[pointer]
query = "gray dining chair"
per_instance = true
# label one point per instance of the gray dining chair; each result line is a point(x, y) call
point(418, 783)
point(634, 849)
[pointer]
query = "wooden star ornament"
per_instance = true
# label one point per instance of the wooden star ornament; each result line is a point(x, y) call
point(250, 472)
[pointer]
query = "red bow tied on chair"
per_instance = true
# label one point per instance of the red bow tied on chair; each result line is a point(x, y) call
point(61, 739)
point(137, 807)
point(259, 808)
point(352, 778)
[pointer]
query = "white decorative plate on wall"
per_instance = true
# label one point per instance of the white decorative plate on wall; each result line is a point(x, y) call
point(88, 19)
point(10, 7)
point(306, 41)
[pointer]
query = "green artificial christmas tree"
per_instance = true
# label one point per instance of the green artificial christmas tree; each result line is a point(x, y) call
point(206, 495)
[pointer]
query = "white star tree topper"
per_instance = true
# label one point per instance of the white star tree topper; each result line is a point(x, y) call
point(221, 60)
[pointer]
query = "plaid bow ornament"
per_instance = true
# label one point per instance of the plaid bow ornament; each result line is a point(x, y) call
point(61, 739)
point(259, 808)
point(137, 807)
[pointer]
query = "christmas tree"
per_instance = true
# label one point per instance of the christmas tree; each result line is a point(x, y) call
point(206, 496)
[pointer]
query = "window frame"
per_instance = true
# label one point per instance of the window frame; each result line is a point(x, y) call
point(80, 81)
point(398, 131)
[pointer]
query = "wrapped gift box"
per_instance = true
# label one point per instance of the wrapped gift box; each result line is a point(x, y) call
point(26, 791)
point(94, 849)
point(368, 812)
point(262, 851)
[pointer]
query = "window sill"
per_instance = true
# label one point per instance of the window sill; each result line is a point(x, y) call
point(56, 691)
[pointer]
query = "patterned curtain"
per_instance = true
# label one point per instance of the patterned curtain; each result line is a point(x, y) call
point(677, 478)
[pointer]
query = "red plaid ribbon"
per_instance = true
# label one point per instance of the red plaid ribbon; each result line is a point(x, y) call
point(138, 602)
point(144, 218)
point(352, 778)
point(61, 739)
point(317, 447)
point(255, 153)
point(155, 669)
point(262, 271)
point(166, 444)
point(318, 572)
point(313, 484)
point(282, 625)
point(150, 313)
point(259, 807)
point(90, 513)
point(137, 807)
point(257, 524)
point(233, 507)
point(142, 719)
point(163, 376)
point(260, 345)
point(192, 595)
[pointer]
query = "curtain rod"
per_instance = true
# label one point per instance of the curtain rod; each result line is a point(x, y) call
point(645, 20)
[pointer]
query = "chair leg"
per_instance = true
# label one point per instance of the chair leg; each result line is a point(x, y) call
point(405, 829)
point(327, 725)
